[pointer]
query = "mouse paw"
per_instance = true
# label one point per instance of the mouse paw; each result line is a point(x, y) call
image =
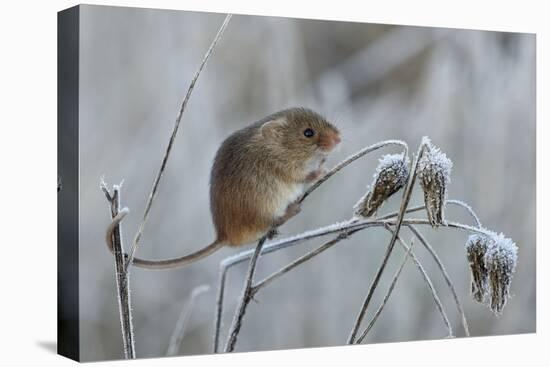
point(293, 209)
point(315, 175)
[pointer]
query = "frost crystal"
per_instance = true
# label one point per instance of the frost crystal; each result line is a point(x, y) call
point(390, 176)
point(434, 172)
point(493, 262)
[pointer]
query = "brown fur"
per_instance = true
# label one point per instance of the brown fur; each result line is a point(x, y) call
point(256, 166)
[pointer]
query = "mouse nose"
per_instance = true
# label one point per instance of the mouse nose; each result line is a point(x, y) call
point(336, 139)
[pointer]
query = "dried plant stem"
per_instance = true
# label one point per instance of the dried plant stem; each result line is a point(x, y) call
point(439, 263)
point(426, 278)
point(219, 308)
point(245, 298)
point(404, 203)
point(154, 189)
point(468, 208)
point(348, 226)
point(122, 276)
point(302, 259)
point(387, 296)
point(179, 330)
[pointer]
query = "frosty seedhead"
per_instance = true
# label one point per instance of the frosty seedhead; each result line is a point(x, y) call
point(492, 262)
point(500, 260)
point(390, 176)
point(434, 172)
point(476, 248)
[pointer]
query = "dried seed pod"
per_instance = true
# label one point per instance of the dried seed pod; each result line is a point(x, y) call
point(390, 176)
point(476, 248)
point(500, 261)
point(434, 173)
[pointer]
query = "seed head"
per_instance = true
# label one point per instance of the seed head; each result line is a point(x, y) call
point(493, 260)
point(434, 173)
point(476, 248)
point(500, 260)
point(390, 176)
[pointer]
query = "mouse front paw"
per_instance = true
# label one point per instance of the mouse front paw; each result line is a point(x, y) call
point(291, 210)
point(315, 175)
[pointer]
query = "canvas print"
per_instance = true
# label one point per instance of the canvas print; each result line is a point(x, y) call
point(234, 183)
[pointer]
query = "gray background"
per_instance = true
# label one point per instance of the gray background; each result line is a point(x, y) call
point(472, 92)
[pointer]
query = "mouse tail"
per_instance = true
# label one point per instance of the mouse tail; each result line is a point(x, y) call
point(179, 261)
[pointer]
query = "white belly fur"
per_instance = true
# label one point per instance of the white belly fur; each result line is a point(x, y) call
point(287, 195)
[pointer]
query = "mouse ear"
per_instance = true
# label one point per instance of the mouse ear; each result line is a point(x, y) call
point(272, 128)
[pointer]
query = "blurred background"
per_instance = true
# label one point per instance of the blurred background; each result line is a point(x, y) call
point(471, 92)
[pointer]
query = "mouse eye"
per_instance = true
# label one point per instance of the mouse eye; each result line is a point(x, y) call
point(308, 133)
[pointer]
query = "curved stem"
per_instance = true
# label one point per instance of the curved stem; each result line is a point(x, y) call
point(426, 278)
point(468, 208)
point(439, 263)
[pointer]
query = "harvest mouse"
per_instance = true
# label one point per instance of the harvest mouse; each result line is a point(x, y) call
point(258, 176)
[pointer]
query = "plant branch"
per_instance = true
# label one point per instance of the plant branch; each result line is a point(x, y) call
point(426, 279)
point(387, 296)
point(269, 279)
point(245, 298)
point(439, 263)
point(154, 189)
point(468, 208)
point(122, 276)
point(347, 226)
point(404, 203)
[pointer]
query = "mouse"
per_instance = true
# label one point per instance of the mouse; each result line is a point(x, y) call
point(257, 178)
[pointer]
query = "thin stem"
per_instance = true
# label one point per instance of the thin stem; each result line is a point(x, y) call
point(245, 299)
point(404, 203)
point(154, 189)
point(122, 276)
point(179, 330)
point(468, 208)
point(349, 160)
point(219, 308)
point(439, 263)
point(269, 279)
point(387, 296)
point(429, 283)
point(348, 226)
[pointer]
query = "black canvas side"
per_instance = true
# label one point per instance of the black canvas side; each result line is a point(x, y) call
point(68, 183)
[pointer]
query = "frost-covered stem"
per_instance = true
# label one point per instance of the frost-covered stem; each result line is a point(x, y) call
point(219, 308)
point(179, 330)
point(387, 296)
point(403, 208)
point(154, 189)
point(350, 159)
point(122, 276)
point(439, 263)
point(468, 208)
point(348, 226)
point(267, 280)
point(429, 283)
point(245, 298)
